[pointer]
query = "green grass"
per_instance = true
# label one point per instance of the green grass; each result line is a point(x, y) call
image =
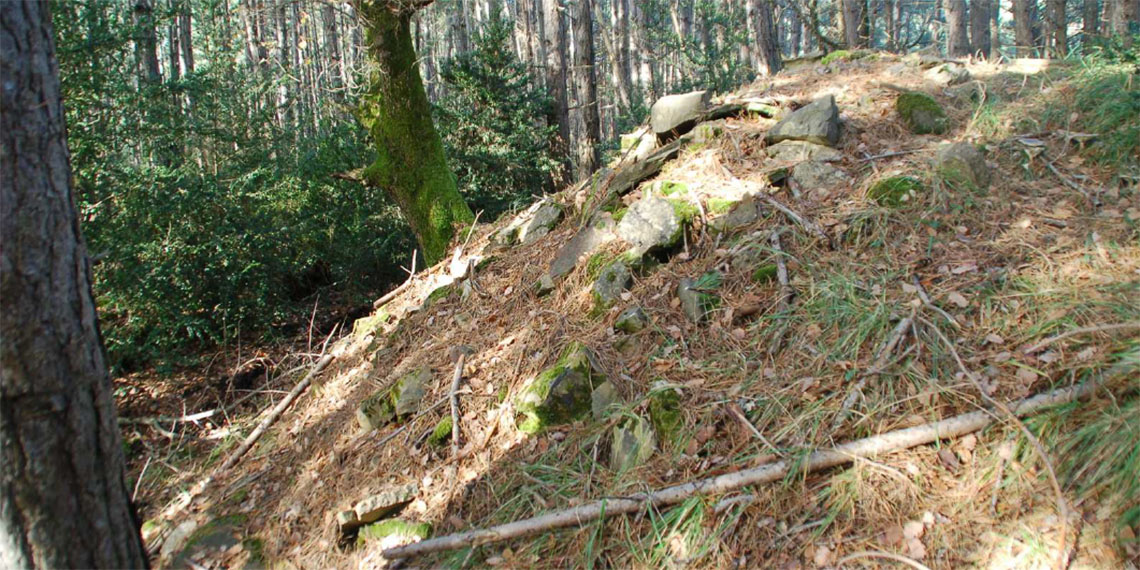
point(1107, 102)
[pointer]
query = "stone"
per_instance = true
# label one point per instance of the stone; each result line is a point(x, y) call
point(814, 175)
point(740, 214)
point(921, 113)
point(962, 164)
point(817, 123)
point(545, 217)
point(637, 145)
point(675, 115)
point(653, 224)
point(217, 535)
point(707, 132)
point(383, 504)
point(631, 320)
point(665, 412)
point(371, 324)
point(895, 191)
point(697, 298)
point(604, 396)
point(614, 279)
point(400, 400)
point(562, 393)
point(948, 74)
point(799, 151)
point(633, 444)
point(585, 243)
point(394, 532)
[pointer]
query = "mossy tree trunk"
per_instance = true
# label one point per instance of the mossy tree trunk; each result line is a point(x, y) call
point(410, 164)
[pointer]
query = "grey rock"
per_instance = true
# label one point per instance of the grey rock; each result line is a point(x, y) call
point(399, 400)
point(587, 241)
point(633, 444)
point(562, 393)
point(409, 391)
point(817, 122)
point(651, 224)
point(383, 504)
point(962, 163)
point(695, 302)
point(707, 132)
point(947, 74)
point(611, 282)
point(545, 217)
point(631, 320)
point(814, 175)
point(798, 151)
point(675, 115)
point(744, 212)
point(604, 396)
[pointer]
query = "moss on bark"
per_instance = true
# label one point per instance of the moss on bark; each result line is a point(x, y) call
point(410, 165)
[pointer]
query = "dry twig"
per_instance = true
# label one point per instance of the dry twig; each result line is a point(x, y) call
point(454, 397)
point(1083, 330)
point(787, 294)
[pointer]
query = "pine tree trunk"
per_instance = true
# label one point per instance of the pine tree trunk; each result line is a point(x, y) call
point(64, 501)
point(957, 40)
point(1091, 24)
point(852, 22)
point(586, 155)
point(1058, 40)
point(1024, 17)
point(186, 37)
point(980, 14)
point(1124, 12)
point(554, 34)
point(410, 165)
point(146, 43)
point(995, 30)
point(766, 50)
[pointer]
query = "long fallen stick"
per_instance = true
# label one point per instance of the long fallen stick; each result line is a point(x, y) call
point(894, 441)
point(276, 413)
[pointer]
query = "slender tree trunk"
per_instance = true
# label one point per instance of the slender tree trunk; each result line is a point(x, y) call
point(146, 43)
point(795, 33)
point(64, 501)
point(1058, 40)
point(995, 30)
point(410, 166)
point(1124, 13)
point(853, 16)
point(332, 49)
point(980, 14)
point(173, 45)
point(766, 48)
point(957, 40)
point(186, 36)
point(586, 115)
point(1025, 24)
point(554, 34)
point(1091, 23)
point(459, 31)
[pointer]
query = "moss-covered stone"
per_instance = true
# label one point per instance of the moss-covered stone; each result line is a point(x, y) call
point(442, 432)
point(560, 394)
point(631, 320)
point(670, 187)
point(614, 279)
point(399, 400)
point(665, 413)
point(844, 55)
point(921, 113)
point(376, 411)
point(633, 443)
point(962, 165)
point(439, 294)
point(719, 206)
point(371, 324)
point(765, 273)
point(894, 191)
point(394, 529)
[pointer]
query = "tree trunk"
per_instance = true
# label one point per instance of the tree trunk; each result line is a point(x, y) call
point(586, 155)
point(853, 24)
point(1124, 12)
point(893, 22)
point(1090, 24)
point(410, 165)
point(766, 47)
point(186, 37)
point(1024, 19)
point(64, 501)
point(554, 46)
point(995, 30)
point(957, 41)
point(146, 44)
point(460, 40)
point(1058, 40)
point(980, 14)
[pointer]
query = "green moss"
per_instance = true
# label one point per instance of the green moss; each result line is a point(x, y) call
point(256, 549)
point(442, 432)
point(895, 191)
point(222, 524)
point(369, 325)
point(685, 210)
point(665, 413)
point(410, 162)
point(921, 113)
point(561, 393)
point(720, 205)
point(439, 294)
point(669, 187)
point(619, 213)
point(765, 273)
point(595, 263)
point(847, 55)
point(393, 527)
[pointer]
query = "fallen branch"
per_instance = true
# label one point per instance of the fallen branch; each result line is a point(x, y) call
point(276, 413)
point(950, 428)
point(1080, 331)
point(807, 224)
point(454, 397)
point(1092, 199)
point(881, 361)
point(787, 294)
point(930, 304)
point(192, 418)
point(886, 555)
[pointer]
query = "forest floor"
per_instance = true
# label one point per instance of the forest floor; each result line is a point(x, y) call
point(1051, 248)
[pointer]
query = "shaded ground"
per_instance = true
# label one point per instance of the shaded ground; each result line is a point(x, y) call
point(1029, 258)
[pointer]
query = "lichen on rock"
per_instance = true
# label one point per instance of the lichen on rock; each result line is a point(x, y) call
point(921, 113)
point(562, 393)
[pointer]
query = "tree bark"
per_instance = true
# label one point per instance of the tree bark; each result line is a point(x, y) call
point(957, 41)
point(186, 37)
point(1090, 23)
point(146, 43)
point(1024, 22)
point(980, 14)
point(63, 494)
point(1124, 13)
point(554, 47)
point(995, 29)
point(766, 48)
point(854, 12)
point(586, 91)
point(410, 166)
point(1058, 40)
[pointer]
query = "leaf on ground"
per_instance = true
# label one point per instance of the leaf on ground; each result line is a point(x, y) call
point(957, 298)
